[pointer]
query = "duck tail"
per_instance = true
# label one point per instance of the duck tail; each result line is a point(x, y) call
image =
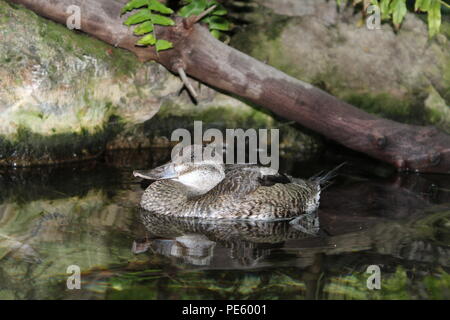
point(324, 179)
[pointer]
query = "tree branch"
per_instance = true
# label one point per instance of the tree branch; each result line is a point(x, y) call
point(194, 19)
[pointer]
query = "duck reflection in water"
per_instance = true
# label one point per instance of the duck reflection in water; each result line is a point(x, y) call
point(194, 240)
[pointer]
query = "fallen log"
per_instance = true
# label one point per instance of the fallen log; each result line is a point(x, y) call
point(201, 56)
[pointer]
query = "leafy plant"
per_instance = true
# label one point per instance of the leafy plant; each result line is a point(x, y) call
point(147, 18)
point(397, 9)
point(215, 21)
point(153, 12)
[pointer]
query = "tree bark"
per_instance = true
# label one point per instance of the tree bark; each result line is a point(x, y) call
point(407, 147)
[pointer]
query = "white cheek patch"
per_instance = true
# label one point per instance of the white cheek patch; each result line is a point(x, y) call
point(200, 181)
point(191, 179)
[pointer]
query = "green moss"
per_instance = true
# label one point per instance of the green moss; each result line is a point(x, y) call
point(172, 116)
point(383, 105)
point(445, 27)
point(263, 42)
point(275, 25)
point(58, 36)
point(4, 16)
point(219, 117)
point(29, 148)
point(266, 20)
point(446, 74)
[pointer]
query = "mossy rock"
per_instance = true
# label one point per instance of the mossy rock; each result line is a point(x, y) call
point(384, 72)
point(65, 96)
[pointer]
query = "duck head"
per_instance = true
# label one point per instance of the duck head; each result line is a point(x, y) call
point(199, 174)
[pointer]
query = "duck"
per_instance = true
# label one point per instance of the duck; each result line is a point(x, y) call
point(210, 189)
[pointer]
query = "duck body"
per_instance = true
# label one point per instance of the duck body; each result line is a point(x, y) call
point(243, 192)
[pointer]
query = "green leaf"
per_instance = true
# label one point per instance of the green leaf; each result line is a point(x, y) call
point(144, 28)
point(218, 23)
point(417, 5)
point(220, 11)
point(434, 17)
point(216, 34)
point(140, 16)
point(161, 20)
point(194, 8)
point(398, 9)
point(422, 5)
point(148, 40)
point(158, 6)
point(384, 8)
point(134, 4)
point(163, 45)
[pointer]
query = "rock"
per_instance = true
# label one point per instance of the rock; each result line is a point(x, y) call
point(382, 71)
point(65, 96)
point(327, 11)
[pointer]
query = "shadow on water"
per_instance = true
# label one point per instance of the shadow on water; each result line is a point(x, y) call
point(87, 215)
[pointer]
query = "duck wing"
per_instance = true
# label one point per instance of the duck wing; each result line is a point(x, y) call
point(240, 180)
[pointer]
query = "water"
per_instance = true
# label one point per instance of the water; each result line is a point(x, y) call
point(87, 215)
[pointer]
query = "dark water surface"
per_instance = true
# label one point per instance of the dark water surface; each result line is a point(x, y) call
point(87, 215)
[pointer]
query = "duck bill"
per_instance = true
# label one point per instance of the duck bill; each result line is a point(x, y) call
point(165, 171)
